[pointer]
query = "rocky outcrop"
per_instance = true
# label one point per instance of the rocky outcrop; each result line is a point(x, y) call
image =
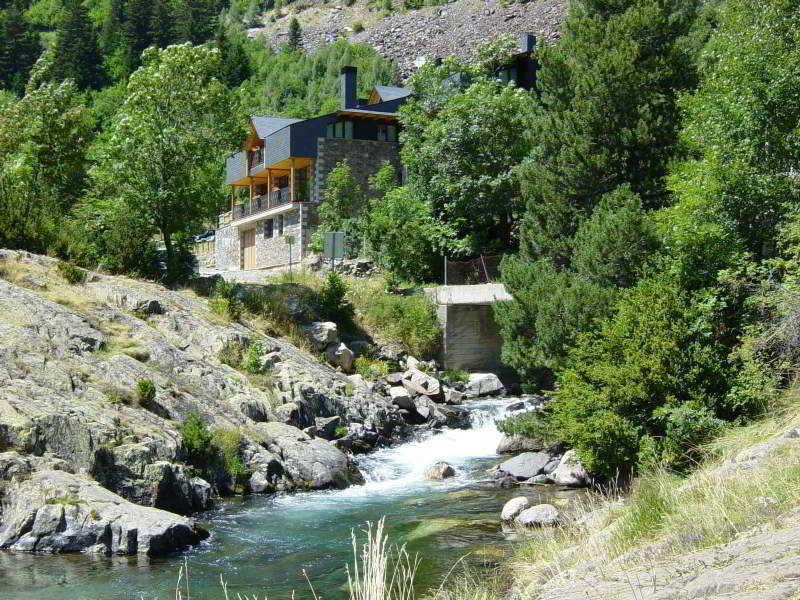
point(512, 444)
point(48, 510)
point(72, 358)
point(525, 465)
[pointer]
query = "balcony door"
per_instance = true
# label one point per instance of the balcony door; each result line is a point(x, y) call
point(249, 249)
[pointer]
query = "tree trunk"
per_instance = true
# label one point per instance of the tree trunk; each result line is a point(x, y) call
point(170, 250)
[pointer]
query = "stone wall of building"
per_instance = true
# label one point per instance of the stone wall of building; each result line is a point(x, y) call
point(274, 251)
point(364, 156)
point(227, 248)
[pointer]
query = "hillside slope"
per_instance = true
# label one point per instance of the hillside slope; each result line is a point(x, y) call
point(458, 27)
point(95, 381)
point(729, 530)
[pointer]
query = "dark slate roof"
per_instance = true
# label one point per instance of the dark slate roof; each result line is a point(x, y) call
point(390, 92)
point(266, 125)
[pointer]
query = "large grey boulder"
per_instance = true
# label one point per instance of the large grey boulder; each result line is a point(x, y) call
point(570, 471)
point(309, 462)
point(440, 471)
point(401, 398)
point(513, 444)
point(340, 356)
point(541, 515)
point(525, 465)
point(321, 334)
point(54, 511)
point(484, 384)
point(513, 507)
point(422, 384)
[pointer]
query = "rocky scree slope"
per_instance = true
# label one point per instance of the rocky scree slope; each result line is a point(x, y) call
point(85, 465)
point(408, 36)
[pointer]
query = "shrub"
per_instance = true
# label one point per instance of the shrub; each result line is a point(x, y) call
point(370, 368)
point(406, 320)
point(231, 354)
point(340, 432)
point(251, 362)
point(357, 26)
point(532, 424)
point(332, 302)
point(455, 376)
point(229, 443)
point(145, 391)
point(71, 274)
point(227, 308)
point(197, 440)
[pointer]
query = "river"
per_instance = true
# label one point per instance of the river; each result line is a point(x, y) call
point(262, 544)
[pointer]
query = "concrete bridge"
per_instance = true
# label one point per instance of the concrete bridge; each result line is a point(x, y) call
point(471, 339)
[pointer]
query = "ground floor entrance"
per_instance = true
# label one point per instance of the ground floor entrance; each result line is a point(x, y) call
point(248, 258)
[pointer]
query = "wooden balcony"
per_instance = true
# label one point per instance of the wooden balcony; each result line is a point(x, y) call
point(262, 203)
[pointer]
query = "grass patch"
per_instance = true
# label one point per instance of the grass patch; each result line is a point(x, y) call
point(370, 368)
point(145, 391)
point(678, 514)
point(119, 341)
point(70, 499)
point(409, 321)
point(454, 376)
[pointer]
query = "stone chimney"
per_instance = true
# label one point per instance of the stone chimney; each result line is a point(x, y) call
point(527, 43)
point(347, 81)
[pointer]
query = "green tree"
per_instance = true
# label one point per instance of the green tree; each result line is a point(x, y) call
point(294, 37)
point(231, 43)
point(19, 47)
point(609, 89)
point(462, 160)
point(602, 144)
point(76, 49)
point(43, 140)
point(341, 207)
point(743, 120)
point(162, 158)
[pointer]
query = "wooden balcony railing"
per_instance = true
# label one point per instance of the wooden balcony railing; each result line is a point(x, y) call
point(262, 203)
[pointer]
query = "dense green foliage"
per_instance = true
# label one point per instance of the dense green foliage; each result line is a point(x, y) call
point(655, 277)
point(112, 151)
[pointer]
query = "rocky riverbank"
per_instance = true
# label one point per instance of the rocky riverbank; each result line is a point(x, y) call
point(97, 376)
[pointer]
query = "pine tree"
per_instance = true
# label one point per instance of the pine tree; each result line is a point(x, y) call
point(19, 48)
point(295, 35)
point(138, 20)
point(607, 133)
point(162, 25)
point(234, 60)
point(76, 48)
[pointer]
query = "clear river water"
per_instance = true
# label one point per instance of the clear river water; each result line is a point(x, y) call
point(262, 544)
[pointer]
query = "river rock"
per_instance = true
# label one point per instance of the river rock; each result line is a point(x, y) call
point(321, 334)
point(340, 355)
point(440, 471)
point(453, 396)
point(525, 465)
point(484, 384)
point(422, 384)
point(401, 398)
point(310, 462)
point(541, 515)
point(513, 444)
point(326, 426)
point(54, 511)
point(570, 471)
point(513, 507)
